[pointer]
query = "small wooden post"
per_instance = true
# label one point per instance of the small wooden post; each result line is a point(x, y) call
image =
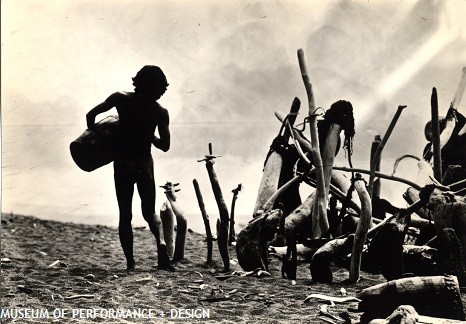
point(205, 217)
point(436, 136)
point(232, 236)
point(168, 223)
point(181, 223)
point(381, 146)
point(222, 237)
point(375, 145)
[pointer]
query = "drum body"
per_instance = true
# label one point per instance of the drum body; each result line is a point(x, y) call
point(98, 146)
point(436, 296)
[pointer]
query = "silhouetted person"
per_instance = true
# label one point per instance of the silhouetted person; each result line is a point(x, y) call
point(139, 115)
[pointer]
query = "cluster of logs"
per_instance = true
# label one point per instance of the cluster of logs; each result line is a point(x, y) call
point(344, 220)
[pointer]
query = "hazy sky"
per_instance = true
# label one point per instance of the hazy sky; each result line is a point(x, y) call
point(230, 65)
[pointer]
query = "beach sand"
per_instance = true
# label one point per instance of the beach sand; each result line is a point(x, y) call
point(28, 280)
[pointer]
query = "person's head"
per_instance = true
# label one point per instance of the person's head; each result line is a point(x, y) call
point(442, 122)
point(150, 81)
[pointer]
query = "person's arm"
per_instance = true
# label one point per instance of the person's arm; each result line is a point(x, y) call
point(108, 104)
point(163, 142)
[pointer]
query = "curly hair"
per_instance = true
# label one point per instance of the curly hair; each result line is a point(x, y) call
point(150, 80)
point(442, 122)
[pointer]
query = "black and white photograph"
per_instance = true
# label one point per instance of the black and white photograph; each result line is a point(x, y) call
point(237, 161)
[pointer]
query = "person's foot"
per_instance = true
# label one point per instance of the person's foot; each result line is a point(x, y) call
point(164, 259)
point(130, 266)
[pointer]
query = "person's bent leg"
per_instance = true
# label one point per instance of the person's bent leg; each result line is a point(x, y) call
point(146, 189)
point(124, 191)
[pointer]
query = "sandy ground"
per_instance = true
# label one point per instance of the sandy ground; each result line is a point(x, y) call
point(92, 264)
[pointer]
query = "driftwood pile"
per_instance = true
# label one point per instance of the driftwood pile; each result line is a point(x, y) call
point(420, 249)
point(344, 221)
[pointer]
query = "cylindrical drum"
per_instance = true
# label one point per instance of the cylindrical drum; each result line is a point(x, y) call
point(437, 296)
point(97, 146)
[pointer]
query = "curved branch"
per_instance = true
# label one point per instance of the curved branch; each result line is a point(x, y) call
point(381, 175)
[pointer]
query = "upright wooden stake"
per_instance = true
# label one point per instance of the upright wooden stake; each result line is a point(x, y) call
point(320, 223)
point(375, 145)
point(205, 217)
point(381, 146)
point(222, 236)
point(436, 136)
point(232, 236)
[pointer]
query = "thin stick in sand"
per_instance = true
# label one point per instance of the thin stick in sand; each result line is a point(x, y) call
point(376, 158)
point(222, 236)
point(436, 136)
point(205, 218)
point(232, 235)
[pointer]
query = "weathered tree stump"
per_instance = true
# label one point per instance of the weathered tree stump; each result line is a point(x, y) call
point(181, 223)
point(449, 211)
point(299, 222)
point(332, 250)
point(385, 252)
point(168, 222)
point(251, 243)
point(448, 261)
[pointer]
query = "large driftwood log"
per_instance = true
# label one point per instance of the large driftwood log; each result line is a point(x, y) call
point(332, 250)
point(251, 243)
point(411, 195)
point(385, 252)
point(361, 229)
point(273, 165)
point(205, 218)
point(168, 222)
point(449, 211)
point(181, 223)
point(448, 261)
point(298, 223)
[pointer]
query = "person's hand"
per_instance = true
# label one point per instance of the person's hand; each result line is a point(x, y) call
point(451, 113)
point(90, 122)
